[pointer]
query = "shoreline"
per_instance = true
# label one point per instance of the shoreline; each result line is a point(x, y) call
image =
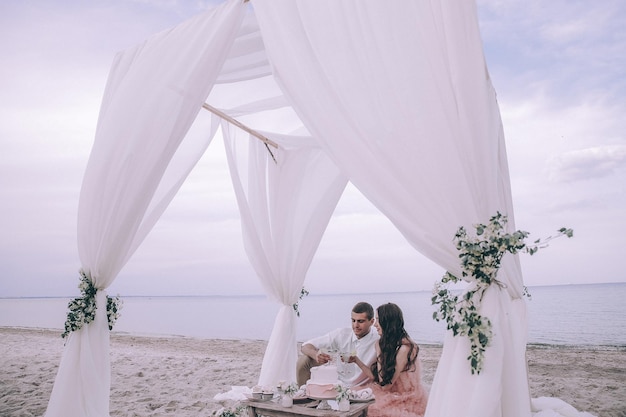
point(179, 376)
point(538, 346)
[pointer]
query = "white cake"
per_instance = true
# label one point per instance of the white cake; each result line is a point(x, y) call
point(323, 381)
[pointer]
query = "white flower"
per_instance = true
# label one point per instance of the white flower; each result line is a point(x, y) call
point(287, 388)
point(342, 392)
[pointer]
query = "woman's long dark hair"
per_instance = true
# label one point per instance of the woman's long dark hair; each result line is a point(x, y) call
point(391, 322)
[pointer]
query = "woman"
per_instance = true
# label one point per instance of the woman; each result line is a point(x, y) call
point(397, 384)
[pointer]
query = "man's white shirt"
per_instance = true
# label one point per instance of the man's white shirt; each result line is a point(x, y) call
point(344, 340)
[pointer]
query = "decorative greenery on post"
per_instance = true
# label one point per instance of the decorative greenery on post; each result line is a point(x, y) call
point(82, 310)
point(303, 293)
point(481, 258)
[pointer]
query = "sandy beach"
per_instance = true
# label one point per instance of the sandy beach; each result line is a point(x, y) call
point(177, 376)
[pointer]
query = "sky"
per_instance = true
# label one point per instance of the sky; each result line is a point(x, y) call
point(559, 69)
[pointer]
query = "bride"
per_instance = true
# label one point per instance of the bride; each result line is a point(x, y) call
point(396, 373)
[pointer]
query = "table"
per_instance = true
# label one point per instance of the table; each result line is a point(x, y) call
point(274, 409)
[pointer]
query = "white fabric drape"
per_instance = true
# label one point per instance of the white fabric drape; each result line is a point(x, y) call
point(153, 95)
point(285, 207)
point(408, 112)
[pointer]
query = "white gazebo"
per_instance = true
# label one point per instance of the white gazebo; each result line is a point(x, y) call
point(393, 96)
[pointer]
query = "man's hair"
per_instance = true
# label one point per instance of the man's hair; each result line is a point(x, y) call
point(363, 307)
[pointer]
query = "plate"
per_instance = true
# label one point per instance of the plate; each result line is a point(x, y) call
point(321, 398)
point(300, 398)
point(251, 398)
point(360, 400)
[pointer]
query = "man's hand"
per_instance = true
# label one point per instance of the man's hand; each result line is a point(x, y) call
point(318, 355)
point(322, 357)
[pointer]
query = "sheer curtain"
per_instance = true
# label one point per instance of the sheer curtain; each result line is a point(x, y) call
point(153, 95)
point(409, 113)
point(285, 207)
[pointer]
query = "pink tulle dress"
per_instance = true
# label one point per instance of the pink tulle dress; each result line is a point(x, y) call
point(406, 398)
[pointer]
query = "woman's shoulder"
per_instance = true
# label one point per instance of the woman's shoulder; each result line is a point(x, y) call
point(409, 345)
point(408, 342)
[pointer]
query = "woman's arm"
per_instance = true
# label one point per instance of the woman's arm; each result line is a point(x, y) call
point(363, 366)
point(366, 369)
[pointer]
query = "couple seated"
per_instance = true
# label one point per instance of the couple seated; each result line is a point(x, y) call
point(383, 359)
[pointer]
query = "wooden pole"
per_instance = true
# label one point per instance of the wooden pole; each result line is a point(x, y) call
point(239, 125)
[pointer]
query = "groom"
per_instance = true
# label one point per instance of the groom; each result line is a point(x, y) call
point(361, 339)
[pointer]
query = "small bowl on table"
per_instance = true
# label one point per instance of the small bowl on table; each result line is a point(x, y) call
point(265, 396)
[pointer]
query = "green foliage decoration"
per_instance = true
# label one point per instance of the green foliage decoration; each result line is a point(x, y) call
point(481, 257)
point(82, 310)
point(343, 392)
point(303, 292)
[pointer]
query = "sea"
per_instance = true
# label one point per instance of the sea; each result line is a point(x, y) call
point(591, 315)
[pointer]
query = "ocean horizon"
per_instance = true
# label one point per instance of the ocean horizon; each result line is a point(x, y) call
point(560, 315)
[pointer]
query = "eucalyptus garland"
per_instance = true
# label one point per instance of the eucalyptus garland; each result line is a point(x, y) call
point(296, 307)
point(82, 310)
point(481, 257)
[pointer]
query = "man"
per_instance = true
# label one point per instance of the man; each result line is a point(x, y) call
point(359, 340)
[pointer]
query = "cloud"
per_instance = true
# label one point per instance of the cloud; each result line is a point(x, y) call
point(588, 164)
point(563, 48)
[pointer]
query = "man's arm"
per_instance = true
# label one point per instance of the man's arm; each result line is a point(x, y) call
point(315, 354)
